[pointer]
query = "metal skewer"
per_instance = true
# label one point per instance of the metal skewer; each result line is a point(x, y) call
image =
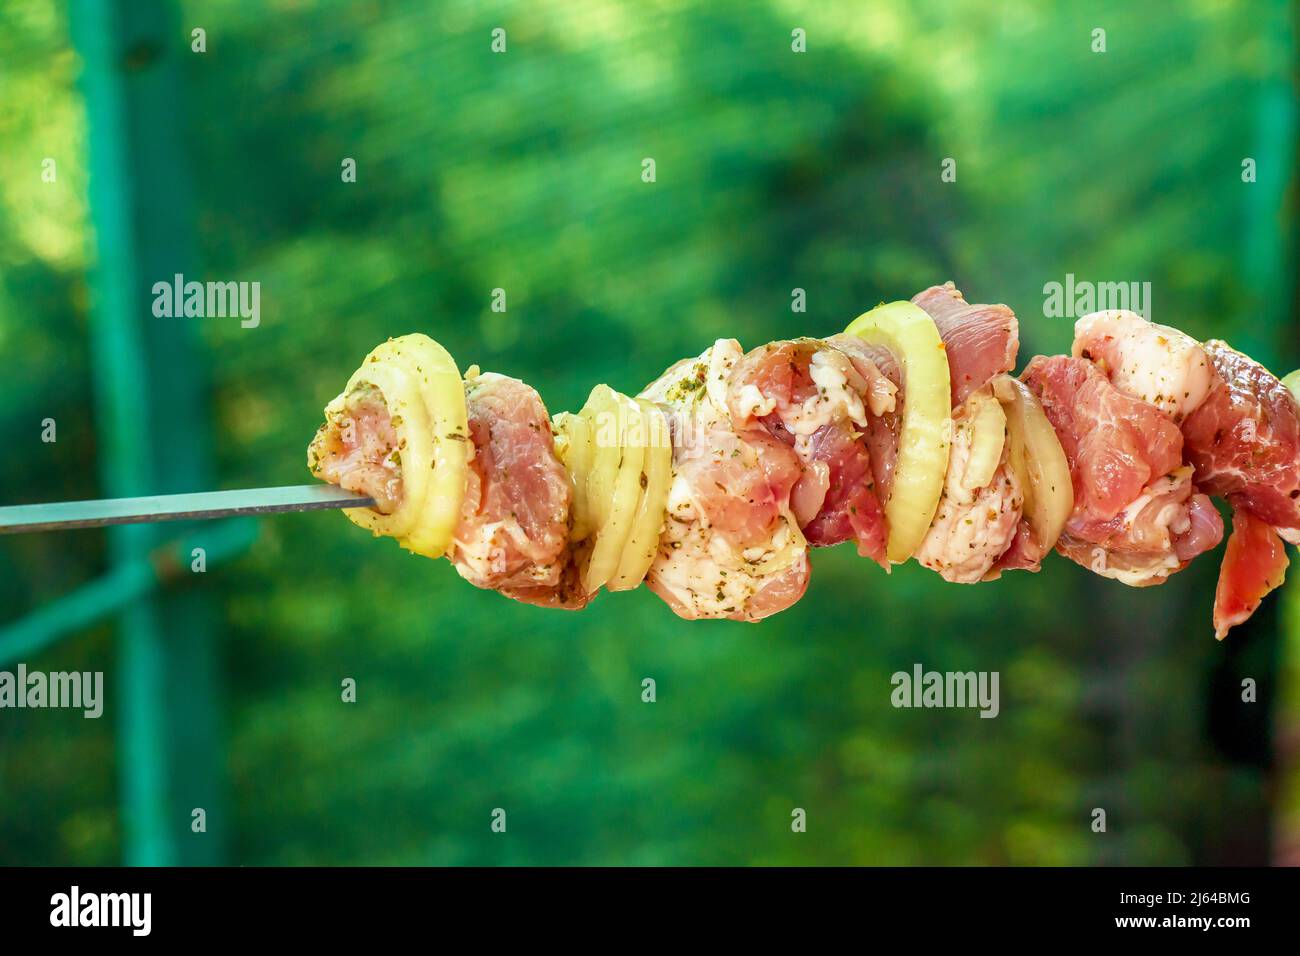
point(65, 515)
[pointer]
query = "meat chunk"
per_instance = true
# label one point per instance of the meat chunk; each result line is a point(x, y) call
point(1241, 434)
point(513, 528)
point(1254, 563)
point(1156, 535)
point(1024, 553)
point(810, 396)
point(357, 449)
point(1116, 445)
point(981, 340)
point(976, 523)
point(1155, 363)
point(731, 547)
point(567, 594)
point(885, 422)
point(1241, 425)
point(1137, 516)
point(1244, 440)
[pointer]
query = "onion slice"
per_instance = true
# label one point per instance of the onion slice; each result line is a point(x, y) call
point(573, 448)
point(425, 395)
point(1039, 461)
point(657, 475)
point(1292, 382)
point(988, 426)
point(911, 336)
point(618, 452)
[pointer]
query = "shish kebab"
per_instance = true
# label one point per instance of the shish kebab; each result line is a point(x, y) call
point(907, 434)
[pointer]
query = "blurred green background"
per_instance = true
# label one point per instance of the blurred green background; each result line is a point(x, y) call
point(522, 170)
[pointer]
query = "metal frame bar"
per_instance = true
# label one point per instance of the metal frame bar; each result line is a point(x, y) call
point(151, 403)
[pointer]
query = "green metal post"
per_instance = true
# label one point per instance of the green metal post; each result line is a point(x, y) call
point(122, 586)
point(152, 419)
point(1266, 240)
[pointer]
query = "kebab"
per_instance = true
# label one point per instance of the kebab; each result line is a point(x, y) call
point(907, 434)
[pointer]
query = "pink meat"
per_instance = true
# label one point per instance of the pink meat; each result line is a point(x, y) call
point(882, 431)
point(851, 510)
point(1025, 553)
point(567, 594)
point(739, 502)
point(1205, 531)
point(357, 448)
point(777, 592)
point(1172, 526)
point(730, 502)
point(834, 496)
point(1135, 506)
point(1244, 440)
point(780, 591)
point(1115, 444)
point(981, 340)
point(513, 529)
point(1254, 563)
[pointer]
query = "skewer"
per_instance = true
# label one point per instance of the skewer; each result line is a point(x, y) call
point(203, 505)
